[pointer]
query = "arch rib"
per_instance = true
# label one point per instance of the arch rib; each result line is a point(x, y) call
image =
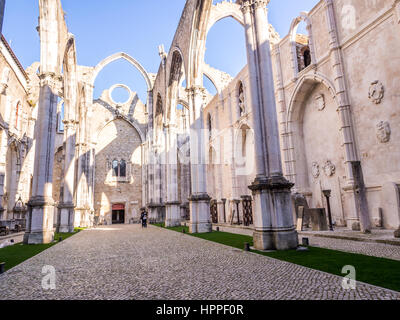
point(127, 57)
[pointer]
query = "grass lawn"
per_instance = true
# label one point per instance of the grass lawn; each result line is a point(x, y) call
point(377, 271)
point(18, 253)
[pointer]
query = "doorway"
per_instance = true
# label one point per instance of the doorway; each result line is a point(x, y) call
point(118, 214)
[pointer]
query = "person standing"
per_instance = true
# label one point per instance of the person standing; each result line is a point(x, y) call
point(143, 217)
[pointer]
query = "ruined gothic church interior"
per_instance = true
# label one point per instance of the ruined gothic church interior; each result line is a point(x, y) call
point(309, 127)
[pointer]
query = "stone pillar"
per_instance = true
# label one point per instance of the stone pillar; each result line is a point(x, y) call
point(67, 206)
point(172, 206)
point(156, 206)
point(41, 204)
point(351, 157)
point(273, 219)
point(199, 199)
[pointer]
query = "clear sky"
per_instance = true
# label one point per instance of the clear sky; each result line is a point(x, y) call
point(137, 27)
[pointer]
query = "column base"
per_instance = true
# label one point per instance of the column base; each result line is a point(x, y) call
point(66, 221)
point(156, 213)
point(173, 215)
point(41, 229)
point(42, 237)
point(273, 218)
point(275, 240)
point(200, 214)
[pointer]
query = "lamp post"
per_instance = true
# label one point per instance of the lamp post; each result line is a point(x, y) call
point(327, 194)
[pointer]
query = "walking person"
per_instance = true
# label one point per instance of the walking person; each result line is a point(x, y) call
point(143, 217)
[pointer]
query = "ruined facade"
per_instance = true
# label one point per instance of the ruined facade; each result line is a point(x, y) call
point(309, 113)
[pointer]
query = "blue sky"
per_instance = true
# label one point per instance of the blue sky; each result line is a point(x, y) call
point(103, 27)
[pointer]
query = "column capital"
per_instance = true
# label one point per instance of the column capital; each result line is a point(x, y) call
point(247, 5)
point(195, 90)
point(52, 80)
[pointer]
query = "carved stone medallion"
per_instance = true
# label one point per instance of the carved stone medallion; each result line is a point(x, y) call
point(376, 92)
point(383, 131)
point(315, 170)
point(320, 102)
point(329, 168)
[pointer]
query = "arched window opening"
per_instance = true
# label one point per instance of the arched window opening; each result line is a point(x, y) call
point(60, 119)
point(303, 51)
point(209, 126)
point(228, 53)
point(159, 112)
point(301, 46)
point(241, 102)
point(122, 168)
point(183, 117)
point(244, 138)
point(115, 165)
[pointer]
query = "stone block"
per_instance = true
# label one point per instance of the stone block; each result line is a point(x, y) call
point(356, 226)
point(318, 219)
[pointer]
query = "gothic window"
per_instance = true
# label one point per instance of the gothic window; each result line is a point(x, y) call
point(122, 168)
point(244, 137)
point(302, 43)
point(119, 168)
point(209, 125)
point(60, 119)
point(159, 117)
point(242, 109)
point(115, 165)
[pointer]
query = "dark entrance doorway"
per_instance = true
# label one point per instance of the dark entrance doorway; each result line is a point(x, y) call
point(118, 214)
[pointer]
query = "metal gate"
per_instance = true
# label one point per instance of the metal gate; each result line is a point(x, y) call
point(247, 211)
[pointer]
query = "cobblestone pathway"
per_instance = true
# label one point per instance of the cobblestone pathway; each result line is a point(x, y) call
point(126, 262)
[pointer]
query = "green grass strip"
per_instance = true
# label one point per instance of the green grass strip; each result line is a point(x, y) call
point(18, 253)
point(380, 272)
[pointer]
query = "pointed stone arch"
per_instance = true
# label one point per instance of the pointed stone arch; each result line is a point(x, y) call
point(292, 36)
point(296, 169)
point(127, 57)
point(224, 10)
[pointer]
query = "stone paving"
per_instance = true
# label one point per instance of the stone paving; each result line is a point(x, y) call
point(126, 262)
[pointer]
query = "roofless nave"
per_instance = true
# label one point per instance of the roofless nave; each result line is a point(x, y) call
point(310, 118)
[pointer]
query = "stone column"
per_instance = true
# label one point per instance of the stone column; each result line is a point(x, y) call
point(172, 206)
point(156, 206)
point(41, 204)
point(352, 162)
point(85, 162)
point(199, 199)
point(273, 219)
point(67, 206)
